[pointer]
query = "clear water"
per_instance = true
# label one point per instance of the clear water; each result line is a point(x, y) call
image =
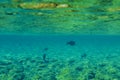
point(77, 42)
point(49, 57)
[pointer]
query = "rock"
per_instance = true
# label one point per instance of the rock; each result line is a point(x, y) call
point(52, 77)
point(79, 68)
point(19, 69)
point(91, 75)
point(62, 6)
point(4, 71)
point(5, 62)
point(30, 5)
point(19, 76)
point(71, 61)
point(113, 9)
point(102, 65)
point(84, 55)
point(10, 13)
point(42, 65)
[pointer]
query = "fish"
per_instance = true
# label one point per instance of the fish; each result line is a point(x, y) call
point(71, 43)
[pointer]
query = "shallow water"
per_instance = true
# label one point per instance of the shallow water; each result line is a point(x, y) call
point(79, 41)
point(49, 57)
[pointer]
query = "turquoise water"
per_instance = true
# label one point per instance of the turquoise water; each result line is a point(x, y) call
point(59, 40)
point(50, 57)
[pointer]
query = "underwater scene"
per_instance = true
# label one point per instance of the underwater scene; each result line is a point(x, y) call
point(59, 39)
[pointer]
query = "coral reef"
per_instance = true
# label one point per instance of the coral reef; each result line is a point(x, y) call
point(33, 68)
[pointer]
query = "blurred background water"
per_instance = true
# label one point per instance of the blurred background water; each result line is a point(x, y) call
point(35, 44)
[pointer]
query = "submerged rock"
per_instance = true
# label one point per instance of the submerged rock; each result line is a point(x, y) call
point(84, 55)
point(10, 13)
point(31, 5)
point(18, 76)
point(19, 69)
point(62, 6)
point(5, 62)
point(91, 75)
point(79, 68)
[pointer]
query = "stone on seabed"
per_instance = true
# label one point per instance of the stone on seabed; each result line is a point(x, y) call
point(29, 5)
point(37, 5)
point(62, 6)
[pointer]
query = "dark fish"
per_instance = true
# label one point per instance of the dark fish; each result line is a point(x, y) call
point(71, 43)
